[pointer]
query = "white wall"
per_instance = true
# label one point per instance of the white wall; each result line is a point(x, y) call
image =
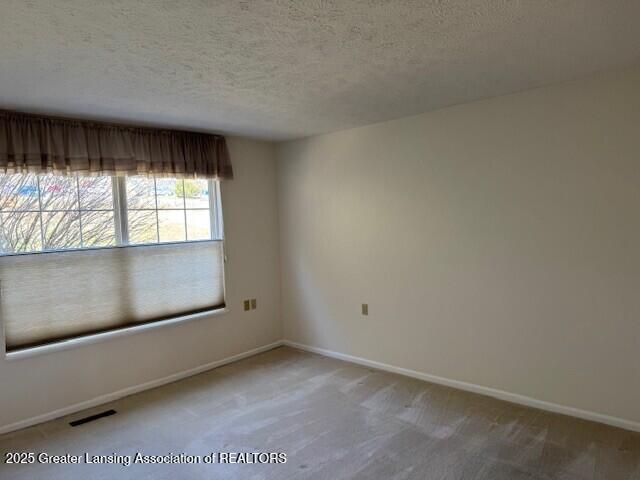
point(497, 243)
point(38, 385)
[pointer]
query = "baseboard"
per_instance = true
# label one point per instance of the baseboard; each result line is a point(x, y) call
point(470, 387)
point(110, 397)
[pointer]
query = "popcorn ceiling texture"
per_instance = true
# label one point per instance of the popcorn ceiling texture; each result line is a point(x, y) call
point(285, 69)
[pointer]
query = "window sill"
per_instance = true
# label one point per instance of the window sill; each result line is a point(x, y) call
point(99, 337)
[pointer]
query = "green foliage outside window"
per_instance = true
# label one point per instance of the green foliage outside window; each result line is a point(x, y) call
point(191, 189)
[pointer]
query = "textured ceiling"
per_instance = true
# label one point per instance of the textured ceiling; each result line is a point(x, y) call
point(284, 69)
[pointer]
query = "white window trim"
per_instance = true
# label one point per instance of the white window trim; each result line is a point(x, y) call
point(119, 190)
point(110, 334)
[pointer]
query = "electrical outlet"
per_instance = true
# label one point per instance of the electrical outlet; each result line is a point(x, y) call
point(365, 309)
point(254, 304)
point(247, 305)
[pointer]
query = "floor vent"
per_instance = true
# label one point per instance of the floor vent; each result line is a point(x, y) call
point(91, 418)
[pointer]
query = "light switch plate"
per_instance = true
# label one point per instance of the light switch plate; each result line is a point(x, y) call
point(365, 309)
point(247, 305)
point(254, 304)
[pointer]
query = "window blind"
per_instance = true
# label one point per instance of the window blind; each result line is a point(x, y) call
point(49, 297)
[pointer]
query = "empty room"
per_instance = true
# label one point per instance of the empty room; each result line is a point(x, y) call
point(317, 239)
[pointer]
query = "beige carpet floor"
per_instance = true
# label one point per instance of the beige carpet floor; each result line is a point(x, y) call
point(333, 420)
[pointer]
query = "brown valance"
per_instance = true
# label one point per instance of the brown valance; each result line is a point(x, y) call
point(39, 144)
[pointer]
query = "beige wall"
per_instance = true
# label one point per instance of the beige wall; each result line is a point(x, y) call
point(38, 385)
point(497, 243)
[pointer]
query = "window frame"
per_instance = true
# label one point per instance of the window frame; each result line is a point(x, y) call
point(120, 218)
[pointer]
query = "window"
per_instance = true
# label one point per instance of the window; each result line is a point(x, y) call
point(53, 213)
point(167, 210)
point(48, 213)
point(86, 255)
